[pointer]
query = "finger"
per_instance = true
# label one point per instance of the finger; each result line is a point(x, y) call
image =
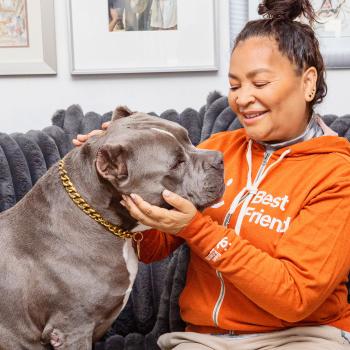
point(147, 209)
point(181, 204)
point(82, 137)
point(76, 142)
point(94, 132)
point(85, 137)
point(136, 213)
point(105, 125)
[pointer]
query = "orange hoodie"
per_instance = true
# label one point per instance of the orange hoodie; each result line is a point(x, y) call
point(284, 257)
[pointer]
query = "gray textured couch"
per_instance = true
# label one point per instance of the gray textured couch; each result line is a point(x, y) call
point(153, 306)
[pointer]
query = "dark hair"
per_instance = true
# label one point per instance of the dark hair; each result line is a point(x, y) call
point(295, 40)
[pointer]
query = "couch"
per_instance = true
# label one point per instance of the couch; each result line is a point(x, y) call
point(152, 308)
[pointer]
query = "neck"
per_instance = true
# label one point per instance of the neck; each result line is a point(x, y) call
point(99, 194)
point(312, 130)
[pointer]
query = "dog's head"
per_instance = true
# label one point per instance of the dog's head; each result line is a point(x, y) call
point(143, 154)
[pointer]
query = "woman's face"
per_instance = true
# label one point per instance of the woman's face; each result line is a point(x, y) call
point(267, 95)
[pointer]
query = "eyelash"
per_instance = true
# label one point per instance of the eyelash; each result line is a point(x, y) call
point(260, 85)
point(257, 85)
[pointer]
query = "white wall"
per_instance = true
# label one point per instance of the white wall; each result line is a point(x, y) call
point(29, 102)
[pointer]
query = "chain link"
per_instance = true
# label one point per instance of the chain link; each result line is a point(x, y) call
point(85, 207)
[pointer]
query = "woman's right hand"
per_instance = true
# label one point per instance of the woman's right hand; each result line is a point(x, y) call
point(83, 138)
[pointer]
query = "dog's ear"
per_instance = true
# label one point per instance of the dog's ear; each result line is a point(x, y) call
point(111, 163)
point(121, 112)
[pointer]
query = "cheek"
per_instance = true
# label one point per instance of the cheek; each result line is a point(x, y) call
point(231, 101)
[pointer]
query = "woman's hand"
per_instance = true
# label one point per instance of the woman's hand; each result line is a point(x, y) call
point(169, 221)
point(83, 138)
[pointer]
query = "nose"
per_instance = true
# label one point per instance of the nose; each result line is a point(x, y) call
point(243, 97)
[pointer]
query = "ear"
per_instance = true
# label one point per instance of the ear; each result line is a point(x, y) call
point(121, 112)
point(111, 163)
point(309, 81)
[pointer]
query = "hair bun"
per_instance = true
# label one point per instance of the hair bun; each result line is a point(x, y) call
point(286, 9)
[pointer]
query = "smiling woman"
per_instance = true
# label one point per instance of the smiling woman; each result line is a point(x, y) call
point(271, 100)
point(279, 81)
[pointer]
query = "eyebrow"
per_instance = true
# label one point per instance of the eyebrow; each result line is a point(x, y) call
point(252, 73)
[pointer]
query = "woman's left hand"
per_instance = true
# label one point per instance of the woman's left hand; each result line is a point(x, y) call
point(169, 221)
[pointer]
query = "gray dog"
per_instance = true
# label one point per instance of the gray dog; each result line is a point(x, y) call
point(64, 276)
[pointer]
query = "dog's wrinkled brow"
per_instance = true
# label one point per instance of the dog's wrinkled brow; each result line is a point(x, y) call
point(164, 131)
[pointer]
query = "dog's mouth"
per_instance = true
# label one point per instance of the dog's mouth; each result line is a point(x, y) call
point(219, 193)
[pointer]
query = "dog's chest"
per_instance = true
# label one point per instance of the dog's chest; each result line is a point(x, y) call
point(131, 262)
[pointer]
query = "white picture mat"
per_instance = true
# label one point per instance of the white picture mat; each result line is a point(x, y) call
point(96, 50)
point(40, 56)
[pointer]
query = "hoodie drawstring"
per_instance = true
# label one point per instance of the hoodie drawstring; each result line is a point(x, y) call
point(249, 190)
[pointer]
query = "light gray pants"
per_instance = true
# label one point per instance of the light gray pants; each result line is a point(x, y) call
point(298, 338)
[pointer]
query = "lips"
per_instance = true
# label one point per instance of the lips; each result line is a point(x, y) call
point(252, 115)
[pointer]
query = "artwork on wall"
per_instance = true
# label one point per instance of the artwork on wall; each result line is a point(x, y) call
point(333, 18)
point(333, 27)
point(13, 23)
point(27, 37)
point(140, 36)
point(140, 15)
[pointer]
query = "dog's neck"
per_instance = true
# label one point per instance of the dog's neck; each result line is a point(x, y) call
point(99, 194)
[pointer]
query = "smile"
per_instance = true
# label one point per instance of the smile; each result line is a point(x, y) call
point(252, 115)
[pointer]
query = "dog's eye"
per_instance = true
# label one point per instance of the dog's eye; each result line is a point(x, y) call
point(177, 164)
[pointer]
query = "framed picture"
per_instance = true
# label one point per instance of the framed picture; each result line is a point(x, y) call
point(140, 36)
point(333, 29)
point(27, 37)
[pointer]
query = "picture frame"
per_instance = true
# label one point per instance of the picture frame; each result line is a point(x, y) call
point(335, 46)
point(192, 46)
point(38, 55)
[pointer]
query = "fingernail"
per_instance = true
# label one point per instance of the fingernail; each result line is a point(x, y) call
point(123, 203)
point(124, 196)
point(166, 193)
point(133, 196)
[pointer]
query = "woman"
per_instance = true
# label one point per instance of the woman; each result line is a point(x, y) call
point(116, 9)
point(269, 262)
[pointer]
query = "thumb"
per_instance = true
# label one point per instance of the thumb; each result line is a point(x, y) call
point(181, 204)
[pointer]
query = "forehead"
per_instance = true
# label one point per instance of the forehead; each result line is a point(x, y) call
point(152, 129)
point(259, 54)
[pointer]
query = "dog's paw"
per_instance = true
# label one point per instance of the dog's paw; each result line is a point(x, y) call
point(56, 339)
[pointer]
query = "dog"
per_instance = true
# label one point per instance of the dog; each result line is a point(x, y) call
point(65, 276)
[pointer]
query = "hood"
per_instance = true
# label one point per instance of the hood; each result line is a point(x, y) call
point(317, 145)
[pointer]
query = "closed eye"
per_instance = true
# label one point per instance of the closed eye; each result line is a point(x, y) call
point(234, 87)
point(260, 85)
point(177, 164)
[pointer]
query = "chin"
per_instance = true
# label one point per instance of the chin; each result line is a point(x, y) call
point(259, 136)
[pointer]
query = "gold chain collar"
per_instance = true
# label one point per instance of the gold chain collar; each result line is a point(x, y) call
point(85, 207)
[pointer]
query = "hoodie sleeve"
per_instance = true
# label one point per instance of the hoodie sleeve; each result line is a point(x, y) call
point(157, 245)
point(310, 261)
